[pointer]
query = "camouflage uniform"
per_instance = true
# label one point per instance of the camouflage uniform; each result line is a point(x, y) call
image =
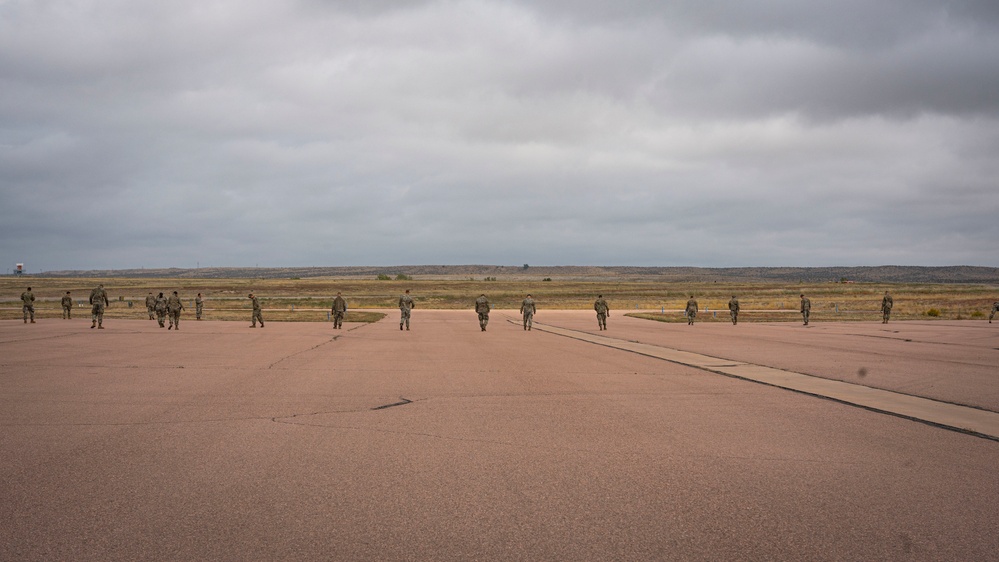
point(151, 305)
point(406, 305)
point(28, 301)
point(528, 309)
point(806, 308)
point(257, 313)
point(338, 310)
point(886, 304)
point(995, 308)
point(691, 311)
point(600, 305)
point(733, 309)
point(174, 306)
point(482, 308)
point(67, 306)
point(98, 300)
point(160, 306)
point(199, 307)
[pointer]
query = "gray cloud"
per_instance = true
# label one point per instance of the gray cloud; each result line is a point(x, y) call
point(315, 133)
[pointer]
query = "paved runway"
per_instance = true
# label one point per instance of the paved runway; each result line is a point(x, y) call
point(298, 442)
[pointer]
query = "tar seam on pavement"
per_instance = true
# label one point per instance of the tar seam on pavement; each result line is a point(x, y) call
point(973, 421)
point(331, 340)
point(403, 402)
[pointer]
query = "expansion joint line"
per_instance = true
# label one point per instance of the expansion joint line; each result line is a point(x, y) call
point(966, 419)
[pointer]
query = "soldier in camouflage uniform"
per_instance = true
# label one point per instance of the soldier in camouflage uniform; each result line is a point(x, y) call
point(98, 300)
point(160, 306)
point(886, 304)
point(603, 311)
point(733, 309)
point(995, 308)
point(527, 308)
point(151, 305)
point(806, 308)
point(406, 305)
point(28, 302)
point(691, 310)
point(482, 308)
point(257, 313)
point(174, 306)
point(67, 306)
point(339, 309)
point(199, 306)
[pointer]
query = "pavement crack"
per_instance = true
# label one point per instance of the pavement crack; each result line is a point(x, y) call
point(289, 356)
point(331, 340)
point(136, 423)
point(291, 420)
point(40, 338)
point(403, 402)
point(385, 431)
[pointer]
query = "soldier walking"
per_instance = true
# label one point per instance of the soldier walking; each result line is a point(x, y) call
point(199, 306)
point(528, 309)
point(995, 308)
point(28, 302)
point(151, 305)
point(886, 304)
point(806, 308)
point(174, 306)
point(482, 308)
point(98, 300)
point(257, 314)
point(406, 305)
point(160, 306)
point(339, 310)
point(67, 306)
point(603, 311)
point(691, 310)
point(733, 309)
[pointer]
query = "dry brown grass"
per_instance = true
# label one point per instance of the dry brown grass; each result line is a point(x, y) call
point(226, 299)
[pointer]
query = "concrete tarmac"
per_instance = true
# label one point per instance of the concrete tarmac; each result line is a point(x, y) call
point(298, 442)
point(950, 361)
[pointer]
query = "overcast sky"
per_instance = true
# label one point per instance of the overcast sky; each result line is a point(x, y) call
point(552, 132)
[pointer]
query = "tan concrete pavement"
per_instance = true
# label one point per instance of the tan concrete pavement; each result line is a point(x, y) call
point(225, 443)
point(977, 421)
point(950, 361)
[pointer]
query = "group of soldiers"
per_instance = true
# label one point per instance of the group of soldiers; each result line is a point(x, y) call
point(806, 309)
point(162, 308)
point(690, 311)
point(527, 310)
point(98, 300)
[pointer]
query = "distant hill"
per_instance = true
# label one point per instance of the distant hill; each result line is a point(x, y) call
point(869, 274)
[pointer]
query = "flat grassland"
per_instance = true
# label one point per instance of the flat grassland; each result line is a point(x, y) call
point(310, 299)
